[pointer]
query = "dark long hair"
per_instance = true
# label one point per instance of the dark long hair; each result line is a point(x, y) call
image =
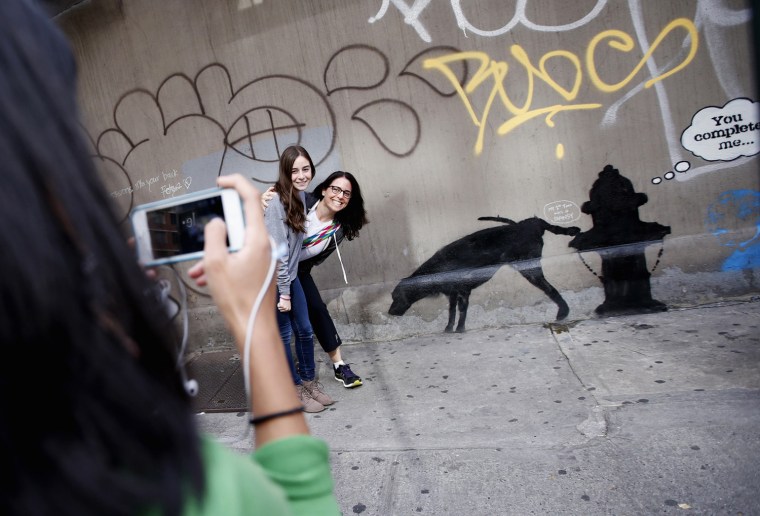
point(289, 196)
point(353, 217)
point(113, 431)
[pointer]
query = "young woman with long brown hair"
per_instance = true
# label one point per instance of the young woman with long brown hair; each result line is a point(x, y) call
point(285, 218)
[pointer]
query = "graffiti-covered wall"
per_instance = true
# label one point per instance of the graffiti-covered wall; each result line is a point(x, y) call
point(520, 160)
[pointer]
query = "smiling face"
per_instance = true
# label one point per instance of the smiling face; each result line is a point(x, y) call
point(301, 173)
point(338, 194)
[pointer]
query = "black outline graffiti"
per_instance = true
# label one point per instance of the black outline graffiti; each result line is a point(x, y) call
point(355, 116)
point(433, 50)
point(333, 121)
point(193, 83)
point(354, 47)
point(200, 109)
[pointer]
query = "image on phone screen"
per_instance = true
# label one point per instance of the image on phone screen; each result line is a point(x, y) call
point(177, 230)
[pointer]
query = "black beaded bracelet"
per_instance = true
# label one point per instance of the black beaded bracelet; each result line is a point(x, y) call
point(260, 419)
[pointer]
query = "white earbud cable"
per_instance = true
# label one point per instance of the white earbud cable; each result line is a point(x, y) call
point(252, 318)
point(275, 255)
point(191, 386)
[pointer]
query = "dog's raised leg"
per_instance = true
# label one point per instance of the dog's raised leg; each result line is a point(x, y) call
point(536, 277)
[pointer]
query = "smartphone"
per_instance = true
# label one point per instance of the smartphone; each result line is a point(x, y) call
point(171, 230)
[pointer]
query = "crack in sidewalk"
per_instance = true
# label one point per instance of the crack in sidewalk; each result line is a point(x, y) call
point(597, 424)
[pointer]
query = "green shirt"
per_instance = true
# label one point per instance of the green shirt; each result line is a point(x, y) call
point(283, 477)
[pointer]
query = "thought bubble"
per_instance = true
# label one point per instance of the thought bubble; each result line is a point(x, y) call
point(562, 212)
point(724, 134)
point(680, 167)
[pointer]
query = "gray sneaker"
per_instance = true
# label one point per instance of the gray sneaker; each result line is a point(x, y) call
point(307, 400)
point(316, 390)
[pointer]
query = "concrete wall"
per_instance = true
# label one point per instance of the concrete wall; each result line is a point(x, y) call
point(445, 111)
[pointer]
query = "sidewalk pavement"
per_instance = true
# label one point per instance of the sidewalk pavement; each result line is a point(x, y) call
point(641, 414)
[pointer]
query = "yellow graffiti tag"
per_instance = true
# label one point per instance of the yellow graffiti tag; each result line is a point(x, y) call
point(619, 40)
point(494, 72)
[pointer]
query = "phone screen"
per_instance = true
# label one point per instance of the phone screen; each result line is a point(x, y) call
point(179, 229)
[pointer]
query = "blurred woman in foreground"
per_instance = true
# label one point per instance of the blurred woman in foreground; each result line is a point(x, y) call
point(115, 432)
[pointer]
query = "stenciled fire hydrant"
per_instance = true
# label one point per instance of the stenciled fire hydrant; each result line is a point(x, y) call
point(620, 238)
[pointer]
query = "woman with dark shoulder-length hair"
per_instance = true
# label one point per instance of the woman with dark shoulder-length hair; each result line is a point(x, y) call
point(335, 211)
point(115, 433)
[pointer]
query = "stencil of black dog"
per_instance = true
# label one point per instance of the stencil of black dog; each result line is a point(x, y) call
point(465, 264)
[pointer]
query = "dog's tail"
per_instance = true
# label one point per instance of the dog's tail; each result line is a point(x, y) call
point(498, 219)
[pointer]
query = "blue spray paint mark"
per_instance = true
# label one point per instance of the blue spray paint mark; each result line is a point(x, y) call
point(732, 205)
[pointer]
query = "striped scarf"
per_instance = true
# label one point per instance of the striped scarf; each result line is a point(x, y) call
point(321, 236)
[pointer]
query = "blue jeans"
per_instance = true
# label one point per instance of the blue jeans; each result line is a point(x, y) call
point(297, 321)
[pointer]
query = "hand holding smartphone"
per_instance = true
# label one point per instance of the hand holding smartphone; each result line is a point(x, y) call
point(243, 288)
point(172, 230)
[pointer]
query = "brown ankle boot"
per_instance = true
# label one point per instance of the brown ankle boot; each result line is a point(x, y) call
point(315, 389)
point(310, 404)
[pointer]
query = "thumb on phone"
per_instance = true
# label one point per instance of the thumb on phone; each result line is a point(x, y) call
point(215, 234)
point(214, 251)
